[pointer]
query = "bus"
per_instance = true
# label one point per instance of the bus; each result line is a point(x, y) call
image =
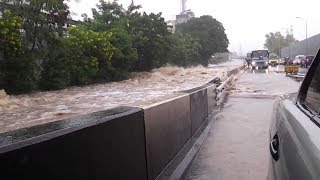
point(260, 59)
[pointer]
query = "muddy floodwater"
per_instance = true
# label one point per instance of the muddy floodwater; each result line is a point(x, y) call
point(41, 107)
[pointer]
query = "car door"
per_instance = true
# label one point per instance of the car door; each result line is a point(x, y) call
point(295, 138)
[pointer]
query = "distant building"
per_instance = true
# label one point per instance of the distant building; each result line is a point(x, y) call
point(181, 18)
point(184, 17)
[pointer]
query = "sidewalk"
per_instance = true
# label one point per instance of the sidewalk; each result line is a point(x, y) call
point(236, 147)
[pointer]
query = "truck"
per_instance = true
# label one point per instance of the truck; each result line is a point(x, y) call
point(260, 59)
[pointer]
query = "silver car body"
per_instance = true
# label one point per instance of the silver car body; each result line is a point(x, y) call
point(294, 136)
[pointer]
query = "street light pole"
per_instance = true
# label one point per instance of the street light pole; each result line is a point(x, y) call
point(280, 46)
point(307, 43)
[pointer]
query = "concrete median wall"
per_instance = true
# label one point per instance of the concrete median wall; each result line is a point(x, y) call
point(198, 109)
point(212, 95)
point(168, 129)
point(103, 145)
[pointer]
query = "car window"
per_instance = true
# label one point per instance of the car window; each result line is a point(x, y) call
point(313, 94)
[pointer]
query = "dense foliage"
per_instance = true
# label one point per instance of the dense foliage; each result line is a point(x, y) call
point(275, 41)
point(209, 32)
point(39, 51)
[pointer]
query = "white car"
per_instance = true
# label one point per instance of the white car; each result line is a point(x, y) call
point(297, 61)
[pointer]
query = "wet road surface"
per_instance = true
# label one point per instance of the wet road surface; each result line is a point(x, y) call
point(237, 145)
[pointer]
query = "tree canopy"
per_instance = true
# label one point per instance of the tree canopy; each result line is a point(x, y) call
point(275, 41)
point(210, 33)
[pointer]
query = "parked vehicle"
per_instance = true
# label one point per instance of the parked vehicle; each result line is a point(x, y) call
point(289, 61)
point(298, 59)
point(295, 131)
point(304, 63)
point(281, 61)
point(286, 60)
point(273, 62)
point(260, 59)
point(309, 60)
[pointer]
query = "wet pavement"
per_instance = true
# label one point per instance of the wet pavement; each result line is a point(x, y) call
point(237, 145)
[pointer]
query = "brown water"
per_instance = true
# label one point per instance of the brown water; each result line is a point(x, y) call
point(41, 107)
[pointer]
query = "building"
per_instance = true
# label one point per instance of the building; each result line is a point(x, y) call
point(184, 17)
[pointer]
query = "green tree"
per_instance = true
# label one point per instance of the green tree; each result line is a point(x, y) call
point(77, 59)
point(209, 32)
point(151, 39)
point(34, 26)
point(90, 53)
point(184, 50)
point(124, 55)
point(57, 67)
point(16, 64)
point(149, 34)
point(275, 41)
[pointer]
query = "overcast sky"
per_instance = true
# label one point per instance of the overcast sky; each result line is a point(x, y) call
point(246, 21)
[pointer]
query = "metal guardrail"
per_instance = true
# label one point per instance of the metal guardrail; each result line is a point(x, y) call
point(220, 90)
point(222, 87)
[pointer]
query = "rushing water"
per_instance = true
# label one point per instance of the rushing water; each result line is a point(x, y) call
point(41, 107)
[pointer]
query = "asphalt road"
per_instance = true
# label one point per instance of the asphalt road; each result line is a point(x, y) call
point(237, 145)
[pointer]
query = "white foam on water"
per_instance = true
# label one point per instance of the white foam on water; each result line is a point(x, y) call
point(40, 107)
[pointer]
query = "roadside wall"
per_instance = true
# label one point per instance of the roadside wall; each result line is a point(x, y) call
point(103, 145)
point(300, 48)
point(168, 129)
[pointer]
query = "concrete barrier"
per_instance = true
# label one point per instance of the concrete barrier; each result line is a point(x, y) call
point(212, 95)
point(171, 124)
point(103, 145)
point(198, 109)
point(168, 129)
point(235, 71)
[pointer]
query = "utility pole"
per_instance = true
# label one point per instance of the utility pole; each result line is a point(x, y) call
point(291, 32)
point(280, 46)
point(307, 43)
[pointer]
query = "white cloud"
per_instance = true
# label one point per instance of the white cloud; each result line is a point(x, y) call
point(246, 21)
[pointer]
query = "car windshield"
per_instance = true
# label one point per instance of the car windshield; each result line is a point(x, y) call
point(258, 54)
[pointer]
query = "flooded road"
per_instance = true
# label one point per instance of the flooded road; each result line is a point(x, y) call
point(237, 145)
point(42, 107)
